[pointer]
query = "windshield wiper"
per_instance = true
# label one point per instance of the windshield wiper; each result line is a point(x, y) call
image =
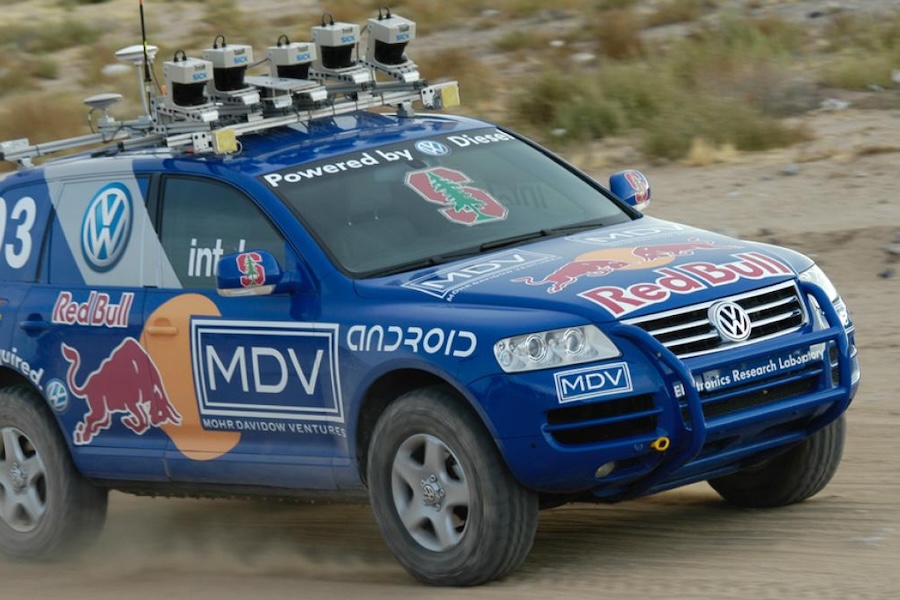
point(431, 261)
point(440, 259)
point(574, 228)
point(402, 268)
point(552, 232)
point(512, 241)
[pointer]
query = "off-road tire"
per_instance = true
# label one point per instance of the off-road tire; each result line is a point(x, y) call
point(488, 518)
point(47, 508)
point(800, 473)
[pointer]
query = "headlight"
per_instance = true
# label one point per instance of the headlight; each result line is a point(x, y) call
point(569, 346)
point(817, 276)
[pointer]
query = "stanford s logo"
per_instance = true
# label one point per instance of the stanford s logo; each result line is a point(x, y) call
point(250, 265)
point(461, 202)
point(106, 227)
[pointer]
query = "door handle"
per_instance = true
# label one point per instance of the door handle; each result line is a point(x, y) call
point(34, 325)
point(161, 327)
point(162, 330)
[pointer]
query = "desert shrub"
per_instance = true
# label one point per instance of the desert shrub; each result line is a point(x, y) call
point(863, 32)
point(42, 117)
point(537, 106)
point(617, 33)
point(477, 82)
point(613, 4)
point(45, 67)
point(726, 84)
point(723, 122)
point(678, 11)
point(16, 76)
point(47, 37)
point(859, 71)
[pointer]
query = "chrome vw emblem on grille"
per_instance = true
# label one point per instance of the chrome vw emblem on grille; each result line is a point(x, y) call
point(731, 321)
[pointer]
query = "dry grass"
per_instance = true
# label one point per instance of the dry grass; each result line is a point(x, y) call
point(679, 11)
point(702, 153)
point(476, 81)
point(617, 33)
point(40, 38)
point(41, 118)
point(722, 87)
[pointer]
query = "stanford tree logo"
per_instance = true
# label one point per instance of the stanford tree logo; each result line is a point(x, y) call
point(461, 203)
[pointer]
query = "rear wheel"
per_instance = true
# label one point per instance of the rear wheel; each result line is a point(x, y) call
point(800, 473)
point(448, 507)
point(47, 508)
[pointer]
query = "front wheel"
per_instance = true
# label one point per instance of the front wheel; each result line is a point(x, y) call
point(798, 474)
point(447, 506)
point(47, 509)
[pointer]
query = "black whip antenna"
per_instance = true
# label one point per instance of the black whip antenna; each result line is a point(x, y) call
point(144, 44)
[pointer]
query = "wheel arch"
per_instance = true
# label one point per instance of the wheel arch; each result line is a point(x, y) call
point(10, 377)
point(385, 390)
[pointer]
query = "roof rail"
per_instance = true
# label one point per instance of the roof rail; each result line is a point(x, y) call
point(204, 105)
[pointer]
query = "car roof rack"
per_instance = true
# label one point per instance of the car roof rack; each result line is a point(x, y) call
point(205, 105)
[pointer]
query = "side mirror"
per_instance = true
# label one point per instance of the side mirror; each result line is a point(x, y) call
point(249, 273)
point(632, 187)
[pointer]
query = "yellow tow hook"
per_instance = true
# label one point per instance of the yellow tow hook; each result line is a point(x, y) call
point(661, 444)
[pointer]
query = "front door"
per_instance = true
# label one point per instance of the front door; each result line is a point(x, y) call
point(256, 389)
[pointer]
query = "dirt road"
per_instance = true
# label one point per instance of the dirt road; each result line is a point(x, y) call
point(840, 205)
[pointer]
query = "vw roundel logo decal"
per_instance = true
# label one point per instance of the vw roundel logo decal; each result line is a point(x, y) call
point(731, 321)
point(432, 148)
point(106, 227)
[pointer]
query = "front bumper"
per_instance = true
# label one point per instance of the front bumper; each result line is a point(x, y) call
point(666, 432)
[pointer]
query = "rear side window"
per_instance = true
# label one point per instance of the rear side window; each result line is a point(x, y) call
point(23, 219)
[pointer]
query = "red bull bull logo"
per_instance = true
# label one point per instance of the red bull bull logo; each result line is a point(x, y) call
point(126, 383)
point(571, 272)
point(603, 262)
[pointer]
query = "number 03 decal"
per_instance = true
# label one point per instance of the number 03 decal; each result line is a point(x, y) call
point(16, 250)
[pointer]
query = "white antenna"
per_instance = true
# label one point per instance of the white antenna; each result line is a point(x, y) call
point(135, 55)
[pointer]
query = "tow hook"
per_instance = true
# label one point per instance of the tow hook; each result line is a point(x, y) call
point(661, 444)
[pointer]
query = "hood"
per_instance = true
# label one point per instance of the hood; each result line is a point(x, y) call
point(615, 272)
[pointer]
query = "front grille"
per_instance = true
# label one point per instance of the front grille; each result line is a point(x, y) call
point(761, 397)
point(773, 311)
point(603, 421)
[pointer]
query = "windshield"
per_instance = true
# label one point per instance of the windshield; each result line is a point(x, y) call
point(419, 203)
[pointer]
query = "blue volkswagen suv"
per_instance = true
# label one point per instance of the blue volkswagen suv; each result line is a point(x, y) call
point(262, 287)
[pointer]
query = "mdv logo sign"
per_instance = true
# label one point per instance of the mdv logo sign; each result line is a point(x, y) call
point(106, 227)
point(592, 382)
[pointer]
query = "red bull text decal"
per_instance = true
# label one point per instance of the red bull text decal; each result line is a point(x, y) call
point(128, 383)
point(97, 311)
point(684, 279)
point(462, 203)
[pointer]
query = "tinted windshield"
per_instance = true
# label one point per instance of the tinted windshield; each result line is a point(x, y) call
point(412, 204)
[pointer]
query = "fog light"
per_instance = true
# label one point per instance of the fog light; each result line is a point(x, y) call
point(605, 469)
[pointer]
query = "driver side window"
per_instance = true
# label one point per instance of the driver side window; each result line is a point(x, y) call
point(202, 220)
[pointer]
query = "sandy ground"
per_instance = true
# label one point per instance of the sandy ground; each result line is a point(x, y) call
point(840, 205)
point(843, 208)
